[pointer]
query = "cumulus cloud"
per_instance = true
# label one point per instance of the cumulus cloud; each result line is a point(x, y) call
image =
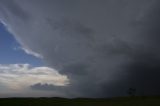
point(101, 46)
point(21, 76)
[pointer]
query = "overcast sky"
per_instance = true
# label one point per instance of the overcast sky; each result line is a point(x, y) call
point(79, 48)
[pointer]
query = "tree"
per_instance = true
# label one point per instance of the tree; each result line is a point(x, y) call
point(131, 92)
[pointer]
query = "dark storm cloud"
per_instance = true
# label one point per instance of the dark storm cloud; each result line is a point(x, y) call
point(104, 47)
point(144, 68)
point(46, 86)
point(15, 8)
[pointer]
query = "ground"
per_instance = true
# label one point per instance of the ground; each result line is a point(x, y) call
point(120, 101)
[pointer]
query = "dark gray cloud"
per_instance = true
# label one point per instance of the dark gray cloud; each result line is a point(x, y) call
point(46, 86)
point(103, 46)
point(143, 69)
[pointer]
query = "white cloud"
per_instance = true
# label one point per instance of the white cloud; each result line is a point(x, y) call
point(21, 76)
point(30, 52)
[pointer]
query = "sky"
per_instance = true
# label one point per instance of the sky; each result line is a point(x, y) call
point(79, 48)
point(11, 51)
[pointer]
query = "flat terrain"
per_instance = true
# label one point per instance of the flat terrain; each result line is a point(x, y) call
point(123, 101)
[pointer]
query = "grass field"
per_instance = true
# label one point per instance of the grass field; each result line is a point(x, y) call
point(123, 101)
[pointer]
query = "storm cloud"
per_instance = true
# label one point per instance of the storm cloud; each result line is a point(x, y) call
point(104, 47)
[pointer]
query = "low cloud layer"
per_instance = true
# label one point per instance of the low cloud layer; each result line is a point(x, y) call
point(104, 47)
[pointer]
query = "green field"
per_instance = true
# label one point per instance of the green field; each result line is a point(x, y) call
point(123, 101)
